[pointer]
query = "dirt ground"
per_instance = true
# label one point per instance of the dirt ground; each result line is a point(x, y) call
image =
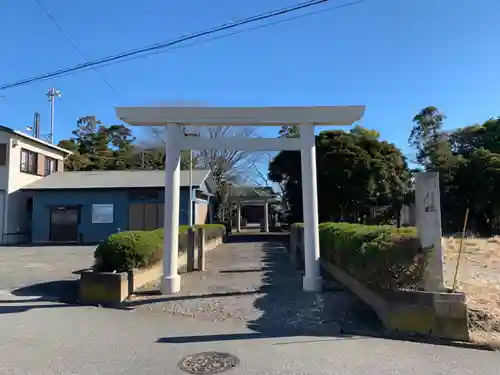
point(479, 277)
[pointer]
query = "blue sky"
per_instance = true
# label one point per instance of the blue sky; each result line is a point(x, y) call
point(394, 56)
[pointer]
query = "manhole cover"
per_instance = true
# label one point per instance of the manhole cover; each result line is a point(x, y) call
point(208, 363)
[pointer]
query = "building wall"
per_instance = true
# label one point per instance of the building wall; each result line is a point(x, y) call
point(204, 213)
point(15, 222)
point(20, 179)
point(201, 213)
point(92, 233)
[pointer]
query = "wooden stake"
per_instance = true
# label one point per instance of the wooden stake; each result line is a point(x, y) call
point(460, 249)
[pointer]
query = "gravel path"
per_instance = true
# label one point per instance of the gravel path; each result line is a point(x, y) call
point(255, 284)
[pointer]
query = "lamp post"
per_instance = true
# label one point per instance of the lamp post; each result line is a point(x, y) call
point(190, 209)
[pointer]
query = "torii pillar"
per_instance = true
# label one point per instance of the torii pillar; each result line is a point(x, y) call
point(312, 277)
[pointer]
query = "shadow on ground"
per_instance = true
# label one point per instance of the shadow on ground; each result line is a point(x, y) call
point(24, 305)
point(286, 310)
point(65, 291)
point(36, 296)
point(181, 298)
point(272, 237)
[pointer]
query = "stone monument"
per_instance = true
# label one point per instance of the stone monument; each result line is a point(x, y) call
point(428, 206)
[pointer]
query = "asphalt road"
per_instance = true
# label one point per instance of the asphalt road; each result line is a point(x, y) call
point(46, 338)
point(40, 337)
point(41, 270)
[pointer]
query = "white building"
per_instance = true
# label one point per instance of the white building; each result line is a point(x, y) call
point(23, 159)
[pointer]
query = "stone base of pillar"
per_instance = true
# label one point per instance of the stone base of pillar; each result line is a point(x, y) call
point(312, 284)
point(170, 285)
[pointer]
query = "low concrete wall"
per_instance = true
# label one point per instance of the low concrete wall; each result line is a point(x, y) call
point(141, 276)
point(110, 288)
point(210, 245)
point(443, 315)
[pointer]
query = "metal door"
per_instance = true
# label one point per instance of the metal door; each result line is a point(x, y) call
point(64, 224)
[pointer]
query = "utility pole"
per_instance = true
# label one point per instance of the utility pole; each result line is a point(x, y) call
point(191, 200)
point(52, 94)
point(190, 188)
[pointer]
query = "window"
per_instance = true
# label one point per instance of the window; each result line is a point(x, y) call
point(3, 154)
point(50, 166)
point(28, 161)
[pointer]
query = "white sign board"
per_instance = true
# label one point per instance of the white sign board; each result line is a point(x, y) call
point(102, 213)
point(428, 205)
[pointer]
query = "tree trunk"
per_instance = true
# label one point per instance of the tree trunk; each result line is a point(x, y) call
point(398, 218)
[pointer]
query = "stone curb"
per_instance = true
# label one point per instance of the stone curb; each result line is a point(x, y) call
point(421, 339)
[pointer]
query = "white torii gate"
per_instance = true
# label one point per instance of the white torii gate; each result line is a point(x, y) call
point(305, 117)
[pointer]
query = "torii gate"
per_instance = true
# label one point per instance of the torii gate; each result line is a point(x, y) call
point(304, 117)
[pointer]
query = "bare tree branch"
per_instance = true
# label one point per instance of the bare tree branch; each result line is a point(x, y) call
point(262, 179)
point(234, 164)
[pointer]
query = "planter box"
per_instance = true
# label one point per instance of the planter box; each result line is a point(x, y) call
point(111, 288)
point(103, 287)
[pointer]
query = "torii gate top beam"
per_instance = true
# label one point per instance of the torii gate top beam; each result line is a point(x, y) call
point(244, 116)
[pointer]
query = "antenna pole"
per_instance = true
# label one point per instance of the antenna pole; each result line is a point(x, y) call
point(36, 125)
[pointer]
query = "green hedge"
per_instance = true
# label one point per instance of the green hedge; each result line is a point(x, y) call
point(211, 231)
point(124, 251)
point(382, 256)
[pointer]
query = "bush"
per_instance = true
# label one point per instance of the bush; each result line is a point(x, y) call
point(382, 257)
point(124, 251)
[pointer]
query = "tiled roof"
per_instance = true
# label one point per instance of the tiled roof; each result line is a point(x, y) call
point(113, 179)
point(251, 191)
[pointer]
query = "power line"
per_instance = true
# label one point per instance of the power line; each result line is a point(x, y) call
point(226, 35)
point(153, 49)
point(73, 44)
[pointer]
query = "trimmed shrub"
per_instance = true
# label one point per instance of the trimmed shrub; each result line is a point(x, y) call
point(381, 257)
point(124, 251)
